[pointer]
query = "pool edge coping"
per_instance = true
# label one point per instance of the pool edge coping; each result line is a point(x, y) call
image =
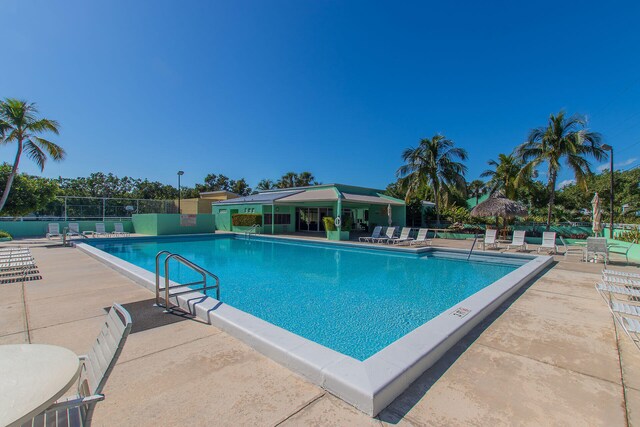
point(369, 385)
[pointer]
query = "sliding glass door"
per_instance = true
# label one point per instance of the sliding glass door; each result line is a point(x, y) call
point(310, 219)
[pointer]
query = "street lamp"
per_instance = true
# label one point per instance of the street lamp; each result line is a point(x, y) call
point(609, 148)
point(180, 173)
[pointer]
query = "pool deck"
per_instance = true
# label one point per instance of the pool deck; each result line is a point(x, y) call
point(551, 355)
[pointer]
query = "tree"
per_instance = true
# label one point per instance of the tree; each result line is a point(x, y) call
point(265, 184)
point(29, 194)
point(240, 187)
point(476, 188)
point(288, 180)
point(19, 124)
point(155, 190)
point(99, 184)
point(563, 138)
point(306, 179)
point(437, 163)
point(504, 175)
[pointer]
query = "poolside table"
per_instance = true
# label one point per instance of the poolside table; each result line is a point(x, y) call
point(32, 377)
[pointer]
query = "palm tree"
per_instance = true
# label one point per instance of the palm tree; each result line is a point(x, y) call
point(288, 180)
point(476, 188)
point(306, 179)
point(19, 124)
point(266, 184)
point(504, 175)
point(563, 138)
point(434, 163)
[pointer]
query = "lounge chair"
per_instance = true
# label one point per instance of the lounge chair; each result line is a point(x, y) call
point(53, 230)
point(95, 370)
point(620, 249)
point(119, 229)
point(606, 272)
point(549, 242)
point(377, 232)
point(606, 289)
point(100, 231)
point(624, 281)
point(596, 247)
point(404, 237)
point(572, 249)
point(389, 233)
point(518, 240)
point(490, 240)
point(74, 229)
point(421, 238)
point(21, 264)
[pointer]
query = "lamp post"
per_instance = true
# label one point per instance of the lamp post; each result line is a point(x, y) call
point(609, 148)
point(180, 173)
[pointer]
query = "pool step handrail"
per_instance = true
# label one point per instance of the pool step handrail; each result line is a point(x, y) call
point(253, 230)
point(170, 290)
point(475, 239)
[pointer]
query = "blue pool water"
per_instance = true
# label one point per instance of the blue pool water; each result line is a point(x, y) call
point(355, 301)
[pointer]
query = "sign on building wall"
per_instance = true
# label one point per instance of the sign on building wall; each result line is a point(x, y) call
point(187, 220)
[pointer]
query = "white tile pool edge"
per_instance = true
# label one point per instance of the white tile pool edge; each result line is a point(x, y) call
point(368, 385)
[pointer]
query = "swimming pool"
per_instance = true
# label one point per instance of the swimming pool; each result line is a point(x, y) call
point(353, 300)
point(361, 321)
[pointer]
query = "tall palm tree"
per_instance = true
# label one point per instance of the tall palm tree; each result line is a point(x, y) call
point(19, 124)
point(436, 163)
point(476, 188)
point(306, 179)
point(288, 180)
point(266, 184)
point(504, 175)
point(563, 138)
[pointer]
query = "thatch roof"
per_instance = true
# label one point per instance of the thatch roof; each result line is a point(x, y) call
point(499, 205)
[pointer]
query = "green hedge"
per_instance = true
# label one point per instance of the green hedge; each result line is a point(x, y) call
point(246, 220)
point(330, 224)
point(4, 234)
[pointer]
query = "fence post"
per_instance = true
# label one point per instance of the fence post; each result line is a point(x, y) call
point(104, 204)
point(65, 208)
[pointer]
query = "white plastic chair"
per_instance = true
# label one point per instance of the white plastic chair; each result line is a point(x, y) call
point(119, 229)
point(389, 233)
point(404, 237)
point(96, 367)
point(490, 239)
point(518, 240)
point(377, 232)
point(421, 238)
point(549, 242)
point(74, 229)
point(53, 230)
point(100, 229)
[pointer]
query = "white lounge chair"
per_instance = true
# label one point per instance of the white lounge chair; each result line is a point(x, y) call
point(548, 242)
point(518, 240)
point(377, 232)
point(74, 229)
point(624, 281)
point(606, 290)
point(490, 239)
point(572, 249)
point(389, 233)
point(597, 247)
point(53, 230)
point(119, 229)
point(421, 238)
point(607, 272)
point(404, 237)
point(95, 370)
point(22, 264)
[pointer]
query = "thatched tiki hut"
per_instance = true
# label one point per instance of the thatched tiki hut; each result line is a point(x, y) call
point(499, 206)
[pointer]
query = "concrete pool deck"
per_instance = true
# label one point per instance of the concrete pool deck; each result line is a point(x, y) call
point(550, 355)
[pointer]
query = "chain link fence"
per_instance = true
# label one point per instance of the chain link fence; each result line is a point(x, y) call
point(70, 208)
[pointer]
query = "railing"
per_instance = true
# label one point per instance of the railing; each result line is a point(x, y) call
point(253, 230)
point(475, 239)
point(193, 286)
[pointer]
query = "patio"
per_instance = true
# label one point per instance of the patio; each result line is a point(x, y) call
point(550, 355)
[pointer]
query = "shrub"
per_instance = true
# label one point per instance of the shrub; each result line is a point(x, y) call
point(4, 234)
point(330, 223)
point(631, 236)
point(246, 220)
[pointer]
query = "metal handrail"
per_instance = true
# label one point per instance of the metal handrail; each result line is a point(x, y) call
point(475, 239)
point(252, 230)
point(167, 288)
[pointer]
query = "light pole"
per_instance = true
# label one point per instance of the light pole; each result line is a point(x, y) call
point(609, 148)
point(180, 173)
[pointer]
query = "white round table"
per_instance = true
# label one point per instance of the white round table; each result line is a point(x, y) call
point(32, 377)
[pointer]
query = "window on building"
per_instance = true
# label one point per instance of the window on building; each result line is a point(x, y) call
point(280, 219)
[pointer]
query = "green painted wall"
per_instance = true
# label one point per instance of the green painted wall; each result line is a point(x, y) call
point(39, 228)
point(166, 224)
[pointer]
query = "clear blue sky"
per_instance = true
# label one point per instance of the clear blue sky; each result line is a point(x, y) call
point(257, 88)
